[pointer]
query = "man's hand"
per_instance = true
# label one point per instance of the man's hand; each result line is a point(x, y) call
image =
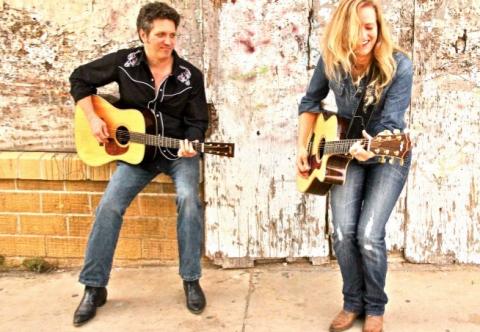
point(186, 149)
point(99, 129)
point(302, 162)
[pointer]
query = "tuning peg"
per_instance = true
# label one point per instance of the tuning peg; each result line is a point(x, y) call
point(396, 131)
point(401, 162)
point(382, 160)
point(391, 161)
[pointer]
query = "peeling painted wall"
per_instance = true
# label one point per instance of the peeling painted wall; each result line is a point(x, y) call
point(263, 62)
point(253, 209)
point(258, 57)
point(41, 42)
point(443, 223)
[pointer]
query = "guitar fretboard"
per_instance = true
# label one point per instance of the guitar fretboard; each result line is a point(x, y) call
point(340, 147)
point(148, 139)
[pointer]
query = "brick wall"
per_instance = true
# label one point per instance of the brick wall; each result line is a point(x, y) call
point(47, 203)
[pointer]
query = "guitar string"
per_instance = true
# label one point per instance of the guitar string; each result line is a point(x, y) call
point(175, 143)
point(345, 145)
point(330, 146)
point(144, 138)
point(159, 140)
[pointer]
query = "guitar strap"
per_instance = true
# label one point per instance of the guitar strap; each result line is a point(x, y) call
point(365, 108)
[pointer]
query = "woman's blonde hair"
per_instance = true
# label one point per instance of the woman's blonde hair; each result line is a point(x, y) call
point(342, 36)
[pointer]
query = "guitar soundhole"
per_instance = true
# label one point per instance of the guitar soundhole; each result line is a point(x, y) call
point(122, 135)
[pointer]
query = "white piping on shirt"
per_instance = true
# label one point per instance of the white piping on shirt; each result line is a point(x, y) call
point(164, 83)
point(158, 91)
point(163, 152)
point(179, 92)
point(134, 79)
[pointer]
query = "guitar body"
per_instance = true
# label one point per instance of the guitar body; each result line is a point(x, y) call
point(151, 127)
point(325, 169)
point(118, 147)
point(134, 137)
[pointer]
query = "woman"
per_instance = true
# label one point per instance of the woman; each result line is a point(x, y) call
point(357, 48)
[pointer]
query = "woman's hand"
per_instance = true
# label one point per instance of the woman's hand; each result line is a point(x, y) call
point(302, 162)
point(186, 149)
point(358, 152)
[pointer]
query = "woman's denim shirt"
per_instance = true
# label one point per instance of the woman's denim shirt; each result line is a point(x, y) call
point(389, 112)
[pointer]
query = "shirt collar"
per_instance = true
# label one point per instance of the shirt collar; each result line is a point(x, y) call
point(176, 70)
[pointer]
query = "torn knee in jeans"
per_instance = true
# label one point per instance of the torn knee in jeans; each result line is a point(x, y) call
point(339, 234)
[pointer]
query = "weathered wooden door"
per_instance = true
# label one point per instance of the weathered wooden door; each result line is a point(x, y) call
point(260, 64)
point(443, 214)
point(253, 209)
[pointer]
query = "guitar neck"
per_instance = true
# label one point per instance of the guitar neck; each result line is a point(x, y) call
point(167, 142)
point(341, 146)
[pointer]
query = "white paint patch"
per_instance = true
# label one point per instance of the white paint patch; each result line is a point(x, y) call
point(324, 13)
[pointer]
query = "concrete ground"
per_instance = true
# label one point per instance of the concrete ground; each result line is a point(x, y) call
point(272, 297)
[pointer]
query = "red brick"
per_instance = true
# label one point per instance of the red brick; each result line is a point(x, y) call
point(132, 211)
point(73, 168)
point(159, 188)
point(65, 203)
point(14, 245)
point(43, 225)
point(9, 164)
point(129, 249)
point(170, 228)
point(7, 184)
point(29, 165)
point(162, 178)
point(89, 186)
point(79, 226)
point(19, 202)
point(72, 247)
point(61, 166)
point(163, 228)
point(158, 205)
point(8, 224)
point(101, 173)
point(40, 185)
point(160, 249)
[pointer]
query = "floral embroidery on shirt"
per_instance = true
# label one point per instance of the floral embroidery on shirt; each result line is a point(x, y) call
point(184, 77)
point(132, 59)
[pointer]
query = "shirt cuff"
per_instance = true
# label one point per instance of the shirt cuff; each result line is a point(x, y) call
point(193, 133)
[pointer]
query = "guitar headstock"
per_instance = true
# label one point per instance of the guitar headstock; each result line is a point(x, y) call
point(219, 149)
point(394, 146)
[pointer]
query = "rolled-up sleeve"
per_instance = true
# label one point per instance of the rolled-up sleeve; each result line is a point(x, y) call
point(397, 98)
point(85, 79)
point(317, 91)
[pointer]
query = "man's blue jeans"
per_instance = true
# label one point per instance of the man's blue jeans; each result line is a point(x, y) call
point(126, 182)
point(361, 208)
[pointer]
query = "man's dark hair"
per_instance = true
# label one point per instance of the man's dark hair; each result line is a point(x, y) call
point(153, 11)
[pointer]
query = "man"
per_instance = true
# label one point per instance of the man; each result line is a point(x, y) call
point(150, 77)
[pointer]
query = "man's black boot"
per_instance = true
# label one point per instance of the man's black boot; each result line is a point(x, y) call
point(194, 295)
point(93, 297)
